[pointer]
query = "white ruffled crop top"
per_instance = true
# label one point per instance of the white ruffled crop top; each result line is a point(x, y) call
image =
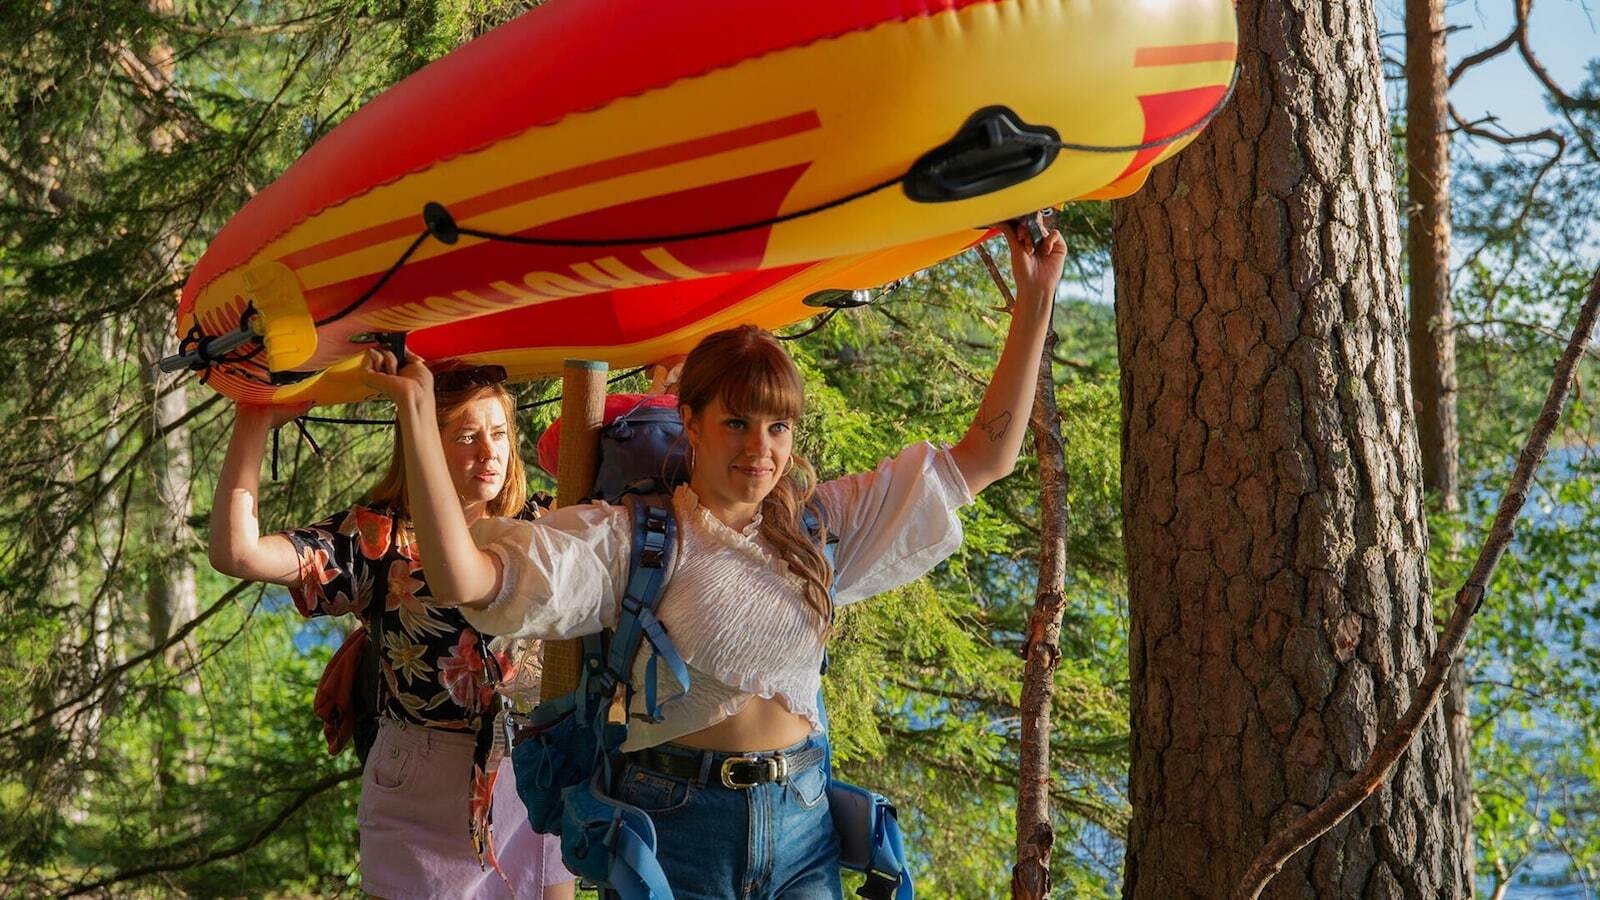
point(736, 614)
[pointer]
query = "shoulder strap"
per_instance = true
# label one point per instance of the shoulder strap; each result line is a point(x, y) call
point(654, 542)
point(814, 519)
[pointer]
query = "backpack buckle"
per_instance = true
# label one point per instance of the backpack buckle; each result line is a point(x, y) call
point(747, 774)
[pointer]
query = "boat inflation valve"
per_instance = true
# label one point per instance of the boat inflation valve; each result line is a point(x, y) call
point(993, 149)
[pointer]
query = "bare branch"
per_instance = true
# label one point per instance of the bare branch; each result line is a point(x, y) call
point(994, 275)
point(1563, 99)
point(1481, 57)
point(1506, 138)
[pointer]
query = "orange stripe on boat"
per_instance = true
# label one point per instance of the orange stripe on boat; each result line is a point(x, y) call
point(578, 176)
point(1181, 54)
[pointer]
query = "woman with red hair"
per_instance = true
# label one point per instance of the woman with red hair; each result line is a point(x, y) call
point(434, 773)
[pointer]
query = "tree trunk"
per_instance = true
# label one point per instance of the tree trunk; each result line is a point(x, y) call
point(171, 598)
point(1030, 878)
point(1272, 494)
point(1433, 343)
point(1432, 336)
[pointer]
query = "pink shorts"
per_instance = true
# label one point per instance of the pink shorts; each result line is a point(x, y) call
point(413, 815)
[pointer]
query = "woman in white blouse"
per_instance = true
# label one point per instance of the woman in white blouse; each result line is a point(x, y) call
point(748, 603)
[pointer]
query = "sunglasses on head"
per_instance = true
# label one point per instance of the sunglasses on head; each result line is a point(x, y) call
point(452, 380)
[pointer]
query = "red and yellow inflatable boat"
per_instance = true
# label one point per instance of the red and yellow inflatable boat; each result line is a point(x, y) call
point(614, 180)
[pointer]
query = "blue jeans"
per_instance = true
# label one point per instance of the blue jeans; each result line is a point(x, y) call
point(772, 840)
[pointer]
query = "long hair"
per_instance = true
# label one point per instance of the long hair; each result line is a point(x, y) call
point(749, 371)
point(390, 491)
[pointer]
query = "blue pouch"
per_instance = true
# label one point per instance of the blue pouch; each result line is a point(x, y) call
point(868, 828)
point(869, 840)
point(548, 758)
point(605, 841)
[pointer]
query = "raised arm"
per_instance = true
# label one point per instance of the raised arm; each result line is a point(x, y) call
point(459, 574)
point(988, 451)
point(236, 546)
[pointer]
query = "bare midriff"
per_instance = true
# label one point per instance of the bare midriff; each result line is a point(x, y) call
point(762, 724)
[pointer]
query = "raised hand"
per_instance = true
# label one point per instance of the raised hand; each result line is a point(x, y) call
point(402, 383)
point(1036, 269)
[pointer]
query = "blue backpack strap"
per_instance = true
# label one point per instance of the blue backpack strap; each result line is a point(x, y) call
point(635, 873)
point(654, 541)
point(603, 839)
point(814, 518)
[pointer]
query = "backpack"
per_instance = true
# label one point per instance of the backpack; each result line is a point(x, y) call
point(348, 699)
point(566, 761)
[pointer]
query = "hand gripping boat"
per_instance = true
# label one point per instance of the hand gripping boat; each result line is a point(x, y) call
point(613, 180)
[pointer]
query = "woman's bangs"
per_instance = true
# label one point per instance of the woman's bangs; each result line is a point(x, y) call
point(768, 390)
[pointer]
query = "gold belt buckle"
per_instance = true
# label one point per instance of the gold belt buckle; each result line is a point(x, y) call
point(777, 770)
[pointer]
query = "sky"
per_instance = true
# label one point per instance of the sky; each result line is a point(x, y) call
point(1564, 34)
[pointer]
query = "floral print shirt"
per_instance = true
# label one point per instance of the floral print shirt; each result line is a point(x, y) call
point(438, 671)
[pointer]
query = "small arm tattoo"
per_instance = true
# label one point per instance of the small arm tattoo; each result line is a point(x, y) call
point(996, 427)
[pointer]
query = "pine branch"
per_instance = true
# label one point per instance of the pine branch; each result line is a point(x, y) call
point(297, 25)
point(116, 672)
point(305, 796)
point(1392, 745)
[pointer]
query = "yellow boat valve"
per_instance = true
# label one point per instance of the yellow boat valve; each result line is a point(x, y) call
point(287, 330)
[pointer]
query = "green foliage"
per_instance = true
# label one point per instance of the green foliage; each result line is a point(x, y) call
point(924, 682)
point(143, 762)
point(1526, 237)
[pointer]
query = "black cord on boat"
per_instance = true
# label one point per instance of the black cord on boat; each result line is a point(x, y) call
point(821, 321)
point(332, 420)
point(436, 210)
point(383, 279)
point(531, 241)
point(298, 423)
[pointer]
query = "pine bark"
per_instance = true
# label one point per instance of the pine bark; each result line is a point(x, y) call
point(1433, 344)
point(1279, 589)
point(1432, 333)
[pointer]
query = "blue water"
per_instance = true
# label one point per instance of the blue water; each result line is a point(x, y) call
point(1545, 735)
point(1547, 876)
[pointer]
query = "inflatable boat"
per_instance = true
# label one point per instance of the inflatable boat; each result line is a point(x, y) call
point(612, 181)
